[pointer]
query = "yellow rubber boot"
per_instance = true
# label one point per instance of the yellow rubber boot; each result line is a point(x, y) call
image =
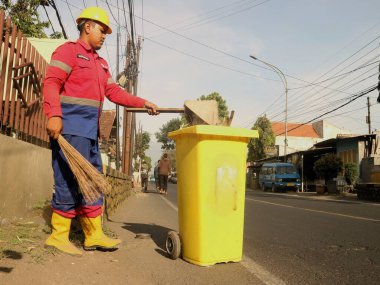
point(94, 236)
point(59, 237)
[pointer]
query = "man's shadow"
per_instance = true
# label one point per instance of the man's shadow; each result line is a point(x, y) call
point(157, 232)
point(11, 254)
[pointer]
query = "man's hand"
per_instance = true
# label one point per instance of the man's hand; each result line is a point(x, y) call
point(54, 127)
point(152, 108)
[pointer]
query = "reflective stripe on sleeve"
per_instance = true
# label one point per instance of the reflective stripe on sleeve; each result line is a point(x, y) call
point(79, 101)
point(56, 63)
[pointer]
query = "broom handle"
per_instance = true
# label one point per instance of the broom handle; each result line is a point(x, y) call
point(161, 110)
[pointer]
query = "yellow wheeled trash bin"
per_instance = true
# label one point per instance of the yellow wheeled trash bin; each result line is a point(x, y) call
point(211, 171)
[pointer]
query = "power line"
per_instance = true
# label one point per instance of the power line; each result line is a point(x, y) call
point(366, 45)
point(109, 8)
point(70, 12)
point(205, 60)
point(206, 13)
point(320, 98)
point(339, 75)
point(209, 19)
point(47, 15)
point(203, 22)
point(317, 93)
point(215, 49)
point(337, 108)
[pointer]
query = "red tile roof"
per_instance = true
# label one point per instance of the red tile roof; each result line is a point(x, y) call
point(306, 131)
point(105, 124)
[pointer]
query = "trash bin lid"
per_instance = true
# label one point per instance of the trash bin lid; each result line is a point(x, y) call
point(215, 131)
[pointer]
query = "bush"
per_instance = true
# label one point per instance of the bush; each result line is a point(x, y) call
point(328, 166)
point(351, 173)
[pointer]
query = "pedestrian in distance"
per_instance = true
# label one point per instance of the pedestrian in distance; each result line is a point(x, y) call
point(144, 177)
point(156, 176)
point(76, 82)
point(164, 170)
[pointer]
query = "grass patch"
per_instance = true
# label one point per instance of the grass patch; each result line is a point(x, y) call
point(41, 205)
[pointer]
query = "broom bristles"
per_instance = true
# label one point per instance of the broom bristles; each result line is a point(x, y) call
point(92, 183)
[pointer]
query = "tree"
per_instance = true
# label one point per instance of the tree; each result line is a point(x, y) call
point(162, 135)
point(141, 146)
point(222, 104)
point(328, 166)
point(25, 16)
point(351, 173)
point(256, 147)
point(56, 35)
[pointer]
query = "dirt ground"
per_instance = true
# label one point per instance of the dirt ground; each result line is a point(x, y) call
point(24, 260)
point(23, 257)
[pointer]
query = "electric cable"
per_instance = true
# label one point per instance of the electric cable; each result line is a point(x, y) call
point(205, 60)
point(71, 13)
point(203, 22)
point(47, 15)
point(337, 108)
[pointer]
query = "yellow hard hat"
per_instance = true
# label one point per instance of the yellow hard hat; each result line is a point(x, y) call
point(97, 14)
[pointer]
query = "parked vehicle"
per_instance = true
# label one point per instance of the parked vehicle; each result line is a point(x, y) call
point(279, 176)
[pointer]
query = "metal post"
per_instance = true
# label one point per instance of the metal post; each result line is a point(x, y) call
point(283, 80)
point(369, 116)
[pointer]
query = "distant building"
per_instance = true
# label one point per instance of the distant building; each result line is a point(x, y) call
point(304, 136)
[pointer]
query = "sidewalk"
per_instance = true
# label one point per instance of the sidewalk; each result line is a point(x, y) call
point(138, 261)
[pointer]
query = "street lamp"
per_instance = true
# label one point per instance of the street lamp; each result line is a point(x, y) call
point(283, 80)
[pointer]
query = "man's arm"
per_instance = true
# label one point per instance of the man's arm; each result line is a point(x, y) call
point(58, 70)
point(117, 95)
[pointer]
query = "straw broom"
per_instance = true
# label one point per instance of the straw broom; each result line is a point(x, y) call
point(92, 183)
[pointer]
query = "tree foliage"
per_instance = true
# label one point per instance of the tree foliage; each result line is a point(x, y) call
point(256, 147)
point(162, 135)
point(25, 16)
point(141, 144)
point(222, 104)
point(142, 141)
point(351, 173)
point(328, 166)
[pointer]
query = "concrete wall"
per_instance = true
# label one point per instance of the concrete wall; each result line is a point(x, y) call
point(295, 143)
point(26, 177)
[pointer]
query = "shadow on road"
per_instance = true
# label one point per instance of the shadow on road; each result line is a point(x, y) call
point(6, 269)
point(157, 232)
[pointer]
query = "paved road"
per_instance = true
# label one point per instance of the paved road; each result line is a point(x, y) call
point(293, 240)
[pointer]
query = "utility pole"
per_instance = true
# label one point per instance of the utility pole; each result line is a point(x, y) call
point(129, 122)
point(127, 118)
point(117, 106)
point(135, 83)
point(369, 116)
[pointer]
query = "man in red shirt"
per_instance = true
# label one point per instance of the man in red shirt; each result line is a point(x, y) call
point(76, 82)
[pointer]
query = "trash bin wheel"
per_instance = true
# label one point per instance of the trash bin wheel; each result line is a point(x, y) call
point(173, 245)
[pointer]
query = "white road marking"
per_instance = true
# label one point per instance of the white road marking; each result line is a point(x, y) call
point(170, 203)
point(315, 211)
point(260, 272)
point(253, 267)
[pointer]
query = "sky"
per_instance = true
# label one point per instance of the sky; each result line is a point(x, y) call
point(328, 51)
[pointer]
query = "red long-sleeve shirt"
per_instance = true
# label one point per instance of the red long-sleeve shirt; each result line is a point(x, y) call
point(76, 82)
